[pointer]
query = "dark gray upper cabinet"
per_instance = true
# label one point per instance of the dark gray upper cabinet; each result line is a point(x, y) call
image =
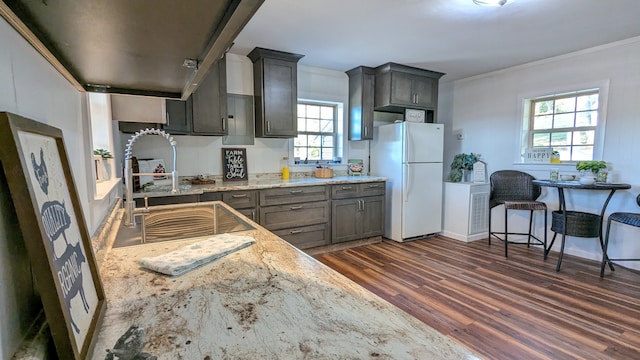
point(361, 95)
point(399, 87)
point(179, 114)
point(210, 102)
point(275, 87)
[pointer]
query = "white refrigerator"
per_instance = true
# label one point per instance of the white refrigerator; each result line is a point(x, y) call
point(410, 155)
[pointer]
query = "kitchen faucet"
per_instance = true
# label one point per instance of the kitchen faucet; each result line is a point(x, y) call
point(130, 204)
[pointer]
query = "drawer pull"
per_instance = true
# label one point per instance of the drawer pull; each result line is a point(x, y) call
point(298, 207)
point(374, 186)
point(347, 188)
point(236, 196)
point(295, 231)
point(296, 191)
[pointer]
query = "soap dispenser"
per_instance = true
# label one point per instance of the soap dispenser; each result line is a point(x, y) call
point(285, 168)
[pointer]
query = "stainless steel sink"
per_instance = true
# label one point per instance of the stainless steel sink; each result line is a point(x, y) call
point(181, 221)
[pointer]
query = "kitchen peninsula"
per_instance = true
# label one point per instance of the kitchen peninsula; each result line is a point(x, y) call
point(266, 301)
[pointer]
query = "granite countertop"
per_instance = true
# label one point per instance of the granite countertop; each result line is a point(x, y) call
point(267, 301)
point(254, 184)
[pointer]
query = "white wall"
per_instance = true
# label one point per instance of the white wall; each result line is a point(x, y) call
point(487, 110)
point(31, 87)
point(202, 155)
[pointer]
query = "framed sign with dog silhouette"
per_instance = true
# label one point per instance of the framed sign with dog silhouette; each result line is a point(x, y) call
point(36, 169)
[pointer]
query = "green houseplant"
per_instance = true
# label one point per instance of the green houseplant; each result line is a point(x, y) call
point(461, 163)
point(594, 169)
point(105, 154)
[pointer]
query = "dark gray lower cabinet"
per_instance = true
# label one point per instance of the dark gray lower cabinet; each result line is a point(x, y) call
point(168, 200)
point(305, 237)
point(359, 218)
point(357, 211)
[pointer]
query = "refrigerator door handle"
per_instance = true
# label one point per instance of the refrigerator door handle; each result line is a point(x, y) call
point(405, 183)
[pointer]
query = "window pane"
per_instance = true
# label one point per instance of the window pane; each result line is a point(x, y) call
point(302, 124)
point(314, 140)
point(582, 153)
point(327, 154)
point(302, 110)
point(587, 118)
point(565, 105)
point(327, 141)
point(541, 139)
point(563, 121)
point(313, 111)
point(542, 122)
point(565, 153)
point(301, 140)
point(326, 113)
point(314, 154)
point(560, 138)
point(300, 152)
point(544, 107)
point(313, 125)
point(583, 137)
point(587, 102)
point(326, 126)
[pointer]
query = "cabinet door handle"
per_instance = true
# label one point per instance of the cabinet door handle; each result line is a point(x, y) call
point(223, 124)
point(417, 98)
point(366, 130)
point(268, 126)
point(297, 207)
point(298, 231)
point(236, 196)
point(295, 191)
point(167, 119)
point(253, 215)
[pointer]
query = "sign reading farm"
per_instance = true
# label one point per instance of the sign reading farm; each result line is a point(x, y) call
point(234, 164)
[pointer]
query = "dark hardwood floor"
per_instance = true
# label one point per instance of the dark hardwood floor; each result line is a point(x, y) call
point(515, 308)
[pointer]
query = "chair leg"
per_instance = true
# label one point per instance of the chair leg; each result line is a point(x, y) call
point(561, 253)
point(604, 249)
point(506, 233)
point(489, 226)
point(544, 247)
point(530, 227)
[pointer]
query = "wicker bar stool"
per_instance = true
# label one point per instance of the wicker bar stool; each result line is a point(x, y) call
point(632, 219)
point(515, 190)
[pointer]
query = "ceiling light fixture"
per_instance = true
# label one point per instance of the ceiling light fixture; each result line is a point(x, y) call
point(490, 2)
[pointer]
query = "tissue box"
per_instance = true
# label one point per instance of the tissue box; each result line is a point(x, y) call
point(324, 173)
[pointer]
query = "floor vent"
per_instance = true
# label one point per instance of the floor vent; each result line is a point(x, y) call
point(479, 216)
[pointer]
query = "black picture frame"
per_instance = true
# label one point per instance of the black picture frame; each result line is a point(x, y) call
point(234, 164)
point(39, 178)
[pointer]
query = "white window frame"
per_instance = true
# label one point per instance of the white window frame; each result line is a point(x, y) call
point(526, 100)
point(338, 131)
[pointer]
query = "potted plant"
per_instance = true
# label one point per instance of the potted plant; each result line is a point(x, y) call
point(461, 164)
point(592, 170)
point(105, 155)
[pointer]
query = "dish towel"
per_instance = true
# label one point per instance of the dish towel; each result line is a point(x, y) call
point(191, 256)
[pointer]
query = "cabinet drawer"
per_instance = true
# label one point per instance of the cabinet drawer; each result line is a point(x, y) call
point(372, 189)
point(305, 237)
point(294, 215)
point(292, 195)
point(168, 200)
point(210, 196)
point(240, 199)
point(347, 191)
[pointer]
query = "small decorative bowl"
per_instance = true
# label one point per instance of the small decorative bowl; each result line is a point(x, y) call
point(587, 180)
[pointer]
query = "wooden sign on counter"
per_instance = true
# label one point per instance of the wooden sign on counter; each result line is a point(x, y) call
point(234, 164)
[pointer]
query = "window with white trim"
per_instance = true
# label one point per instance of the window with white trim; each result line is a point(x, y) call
point(567, 122)
point(317, 132)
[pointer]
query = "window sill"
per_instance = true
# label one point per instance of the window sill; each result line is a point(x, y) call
point(103, 188)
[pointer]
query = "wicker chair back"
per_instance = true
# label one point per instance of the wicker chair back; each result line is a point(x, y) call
point(512, 185)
